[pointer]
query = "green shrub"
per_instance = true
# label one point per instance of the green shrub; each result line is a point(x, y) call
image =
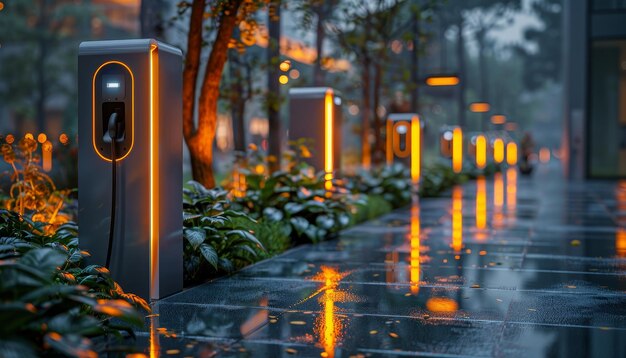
point(392, 183)
point(49, 304)
point(372, 207)
point(295, 196)
point(217, 238)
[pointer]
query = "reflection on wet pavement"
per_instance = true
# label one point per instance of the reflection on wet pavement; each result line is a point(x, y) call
point(505, 266)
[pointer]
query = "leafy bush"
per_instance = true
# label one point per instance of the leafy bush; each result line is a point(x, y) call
point(217, 238)
point(49, 303)
point(392, 183)
point(295, 196)
point(372, 207)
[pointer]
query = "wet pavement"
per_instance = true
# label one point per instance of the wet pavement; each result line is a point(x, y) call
point(506, 267)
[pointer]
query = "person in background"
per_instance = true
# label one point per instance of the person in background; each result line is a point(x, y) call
point(527, 148)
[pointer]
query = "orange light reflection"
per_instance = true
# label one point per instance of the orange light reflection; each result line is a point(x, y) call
point(415, 248)
point(481, 203)
point(498, 200)
point(511, 189)
point(457, 219)
point(416, 149)
point(544, 155)
point(441, 305)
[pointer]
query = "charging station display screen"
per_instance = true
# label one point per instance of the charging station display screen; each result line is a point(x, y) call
point(113, 88)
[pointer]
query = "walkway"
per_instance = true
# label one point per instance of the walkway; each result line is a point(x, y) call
point(504, 267)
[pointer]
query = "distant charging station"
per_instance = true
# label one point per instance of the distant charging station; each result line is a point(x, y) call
point(130, 162)
point(404, 141)
point(315, 113)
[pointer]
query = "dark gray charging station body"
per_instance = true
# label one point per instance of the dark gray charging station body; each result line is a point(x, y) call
point(309, 109)
point(141, 81)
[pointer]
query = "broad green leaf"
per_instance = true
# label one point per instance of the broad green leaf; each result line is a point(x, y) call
point(209, 254)
point(195, 237)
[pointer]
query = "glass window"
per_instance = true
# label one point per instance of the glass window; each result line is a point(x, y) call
point(607, 144)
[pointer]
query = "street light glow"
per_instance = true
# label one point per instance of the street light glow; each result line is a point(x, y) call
point(498, 119)
point(480, 107)
point(438, 81)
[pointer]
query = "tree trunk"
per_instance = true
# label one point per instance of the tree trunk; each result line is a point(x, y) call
point(42, 29)
point(200, 140)
point(378, 154)
point(365, 131)
point(151, 19)
point(460, 48)
point(415, 65)
point(318, 73)
point(484, 89)
point(273, 87)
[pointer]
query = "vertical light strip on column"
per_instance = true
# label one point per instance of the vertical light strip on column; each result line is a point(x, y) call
point(328, 139)
point(481, 151)
point(457, 150)
point(390, 136)
point(498, 150)
point(511, 153)
point(154, 175)
point(416, 149)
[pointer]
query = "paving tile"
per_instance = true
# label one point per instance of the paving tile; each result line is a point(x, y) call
point(530, 340)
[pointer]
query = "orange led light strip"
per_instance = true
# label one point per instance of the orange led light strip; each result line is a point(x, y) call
point(457, 150)
point(498, 150)
point(511, 153)
point(481, 151)
point(328, 139)
point(93, 110)
point(416, 148)
point(154, 176)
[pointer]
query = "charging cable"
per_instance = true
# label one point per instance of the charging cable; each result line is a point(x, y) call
point(113, 134)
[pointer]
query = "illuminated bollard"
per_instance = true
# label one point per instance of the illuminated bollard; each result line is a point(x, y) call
point(477, 147)
point(498, 150)
point(511, 153)
point(404, 140)
point(316, 113)
point(130, 162)
point(451, 146)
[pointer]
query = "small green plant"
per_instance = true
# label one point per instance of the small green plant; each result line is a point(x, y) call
point(217, 238)
point(392, 183)
point(49, 304)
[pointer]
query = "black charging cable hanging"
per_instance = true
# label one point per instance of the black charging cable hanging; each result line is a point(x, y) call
point(113, 134)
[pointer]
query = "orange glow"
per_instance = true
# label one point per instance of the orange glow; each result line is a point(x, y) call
point(294, 74)
point(498, 150)
point(327, 325)
point(416, 149)
point(511, 153)
point(328, 138)
point(481, 202)
point(1, 6)
point(457, 150)
point(64, 139)
point(155, 344)
point(544, 155)
point(620, 242)
point(283, 79)
point(10, 139)
point(442, 81)
point(285, 65)
point(479, 107)
point(42, 138)
point(154, 174)
point(239, 184)
point(132, 110)
point(415, 248)
point(498, 119)
point(498, 199)
point(457, 218)
point(510, 126)
point(481, 151)
point(29, 136)
point(441, 305)
point(511, 189)
point(46, 154)
point(257, 319)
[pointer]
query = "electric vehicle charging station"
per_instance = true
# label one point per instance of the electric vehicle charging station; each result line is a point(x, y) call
point(130, 162)
point(404, 140)
point(316, 113)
